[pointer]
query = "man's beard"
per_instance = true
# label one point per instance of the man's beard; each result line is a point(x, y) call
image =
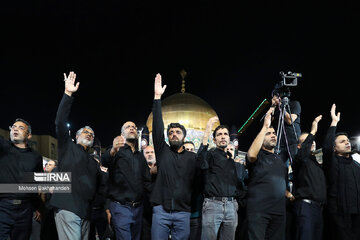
point(132, 140)
point(85, 142)
point(269, 146)
point(176, 144)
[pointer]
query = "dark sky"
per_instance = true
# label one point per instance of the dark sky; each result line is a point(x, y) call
point(233, 53)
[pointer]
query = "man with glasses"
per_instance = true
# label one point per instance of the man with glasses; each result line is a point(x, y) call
point(129, 176)
point(72, 209)
point(16, 159)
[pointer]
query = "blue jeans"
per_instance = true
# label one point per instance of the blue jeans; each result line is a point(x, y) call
point(70, 226)
point(127, 221)
point(175, 222)
point(219, 219)
point(309, 221)
point(15, 220)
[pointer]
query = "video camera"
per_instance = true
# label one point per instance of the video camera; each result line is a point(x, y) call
point(288, 79)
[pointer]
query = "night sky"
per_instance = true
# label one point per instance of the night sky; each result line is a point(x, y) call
point(232, 51)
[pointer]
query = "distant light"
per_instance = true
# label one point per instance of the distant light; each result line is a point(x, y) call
point(68, 125)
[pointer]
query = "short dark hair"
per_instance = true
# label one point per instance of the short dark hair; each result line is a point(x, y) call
point(220, 127)
point(25, 122)
point(189, 142)
point(176, 125)
point(340, 134)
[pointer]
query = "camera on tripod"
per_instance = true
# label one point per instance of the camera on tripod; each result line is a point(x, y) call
point(288, 79)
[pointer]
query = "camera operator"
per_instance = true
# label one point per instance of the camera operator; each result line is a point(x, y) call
point(291, 122)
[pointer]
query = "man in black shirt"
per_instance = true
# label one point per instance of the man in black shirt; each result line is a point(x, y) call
point(129, 176)
point(16, 159)
point(223, 177)
point(310, 188)
point(343, 179)
point(267, 185)
point(72, 210)
point(171, 195)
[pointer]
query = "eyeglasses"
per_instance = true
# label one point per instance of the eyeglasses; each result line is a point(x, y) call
point(130, 126)
point(14, 127)
point(88, 133)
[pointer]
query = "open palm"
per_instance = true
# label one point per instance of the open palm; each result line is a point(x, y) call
point(70, 85)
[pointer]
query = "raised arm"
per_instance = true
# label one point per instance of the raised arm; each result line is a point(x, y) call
point(257, 143)
point(158, 124)
point(208, 129)
point(305, 149)
point(63, 111)
point(328, 145)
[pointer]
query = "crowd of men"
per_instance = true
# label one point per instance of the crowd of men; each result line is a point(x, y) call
point(169, 191)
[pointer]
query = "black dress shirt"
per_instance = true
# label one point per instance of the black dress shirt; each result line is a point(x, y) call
point(176, 171)
point(343, 179)
point(14, 162)
point(309, 177)
point(223, 176)
point(129, 175)
point(86, 176)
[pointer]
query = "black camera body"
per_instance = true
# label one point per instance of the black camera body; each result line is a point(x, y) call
point(288, 79)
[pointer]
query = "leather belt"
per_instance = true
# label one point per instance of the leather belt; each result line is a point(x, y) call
point(131, 204)
point(312, 202)
point(222, 199)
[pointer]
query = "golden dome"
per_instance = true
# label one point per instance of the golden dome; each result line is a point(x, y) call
point(186, 109)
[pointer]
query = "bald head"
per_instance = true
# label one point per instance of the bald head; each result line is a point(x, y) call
point(149, 155)
point(129, 131)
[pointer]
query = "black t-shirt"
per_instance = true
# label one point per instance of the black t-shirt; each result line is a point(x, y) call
point(295, 108)
point(267, 185)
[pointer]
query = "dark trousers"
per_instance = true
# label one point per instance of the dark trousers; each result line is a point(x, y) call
point(266, 226)
point(308, 220)
point(98, 223)
point(195, 228)
point(127, 220)
point(48, 226)
point(15, 220)
point(146, 229)
point(342, 227)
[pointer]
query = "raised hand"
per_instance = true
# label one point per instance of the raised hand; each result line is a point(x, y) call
point(70, 86)
point(208, 129)
point(211, 122)
point(335, 117)
point(158, 88)
point(118, 142)
point(315, 123)
point(267, 119)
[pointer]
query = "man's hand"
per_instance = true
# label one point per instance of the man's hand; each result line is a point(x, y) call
point(289, 195)
point(267, 119)
point(108, 215)
point(335, 117)
point(158, 88)
point(118, 142)
point(208, 129)
point(70, 86)
point(37, 216)
point(315, 123)
point(153, 169)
